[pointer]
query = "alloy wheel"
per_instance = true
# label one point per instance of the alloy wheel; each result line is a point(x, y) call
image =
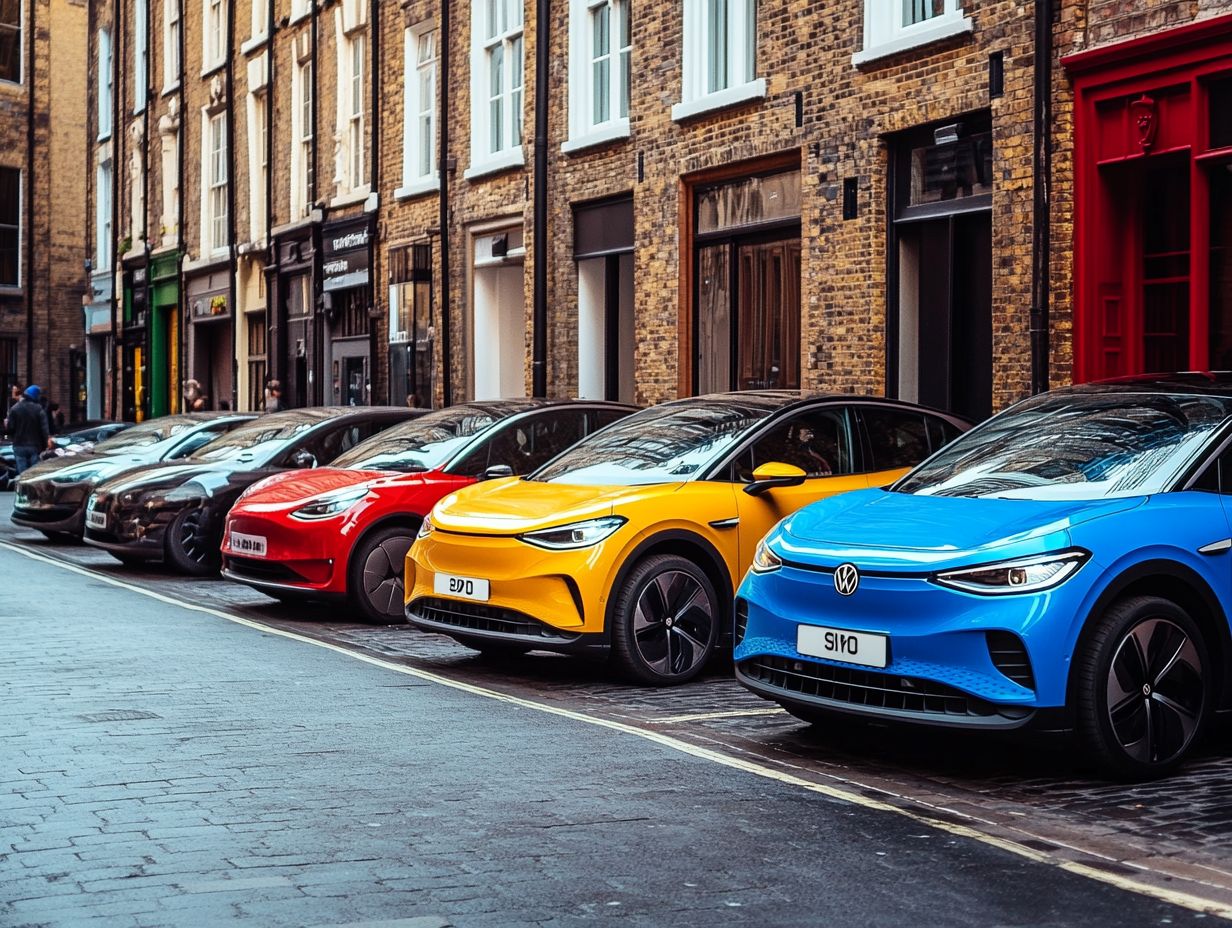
point(382, 575)
point(1156, 691)
point(194, 541)
point(673, 623)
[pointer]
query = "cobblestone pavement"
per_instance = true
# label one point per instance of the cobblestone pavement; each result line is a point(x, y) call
point(159, 738)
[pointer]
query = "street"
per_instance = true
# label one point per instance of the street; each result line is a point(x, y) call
point(189, 753)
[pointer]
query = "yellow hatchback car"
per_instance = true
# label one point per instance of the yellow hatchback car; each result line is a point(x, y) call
point(634, 540)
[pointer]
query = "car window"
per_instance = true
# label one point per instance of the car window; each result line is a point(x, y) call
point(599, 418)
point(526, 444)
point(1216, 477)
point(940, 432)
point(818, 441)
point(896, 437)
point(195, 441)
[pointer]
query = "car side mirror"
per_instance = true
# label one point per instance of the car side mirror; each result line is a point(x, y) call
point(496, 471)
point(773, 475)
point(303, 459)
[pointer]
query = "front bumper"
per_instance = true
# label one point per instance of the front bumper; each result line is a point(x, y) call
point(303, 557)
point(136, 531)
point(954, 659)
point(49, 508)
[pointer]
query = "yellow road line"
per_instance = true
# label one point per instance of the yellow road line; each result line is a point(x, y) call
point(1120, 881)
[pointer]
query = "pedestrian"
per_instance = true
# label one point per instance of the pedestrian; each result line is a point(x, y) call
point(26, 425)
point(193, 398)
point(14, 397)
point(273, 396)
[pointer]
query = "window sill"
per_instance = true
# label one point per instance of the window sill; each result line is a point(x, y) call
point(418, 188)
point(10, 290)
point(211, 68)
point(722, 99)
point(495, 164)
point(253, 44)
point(615, 131)
point(300, 16)
point(935, 32)
point(351, 197)
point(169, 89)
point(104, 136)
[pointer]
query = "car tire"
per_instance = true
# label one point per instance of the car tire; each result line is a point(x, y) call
point(665, 621)
point(375, 575)
point(1142, 688)
point(191, 548)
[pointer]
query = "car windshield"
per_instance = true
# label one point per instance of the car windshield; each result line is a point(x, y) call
point(145, 433)
point(422, 444)
point(1080, 446)
point(663, 444)
point(259, 440)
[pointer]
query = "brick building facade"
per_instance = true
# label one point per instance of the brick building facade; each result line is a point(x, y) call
point(730, 195)
point(42, 138)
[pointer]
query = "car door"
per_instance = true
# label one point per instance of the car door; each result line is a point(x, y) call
point(896, 440)
point(820, 440)
point(527, 442)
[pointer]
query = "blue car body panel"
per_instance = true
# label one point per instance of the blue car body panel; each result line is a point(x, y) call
point(938, 634)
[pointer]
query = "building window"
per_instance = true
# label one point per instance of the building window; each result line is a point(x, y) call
point(214, 173)
point(258, 155)
point(141, 54)
point(10, 40)
point(257, 360)
point(892, 27)
point(719, 56)
point(496, 83)
point(213, 35)
point(354, 94)
point(104, 84)
point(419, 131)
point(410, 326)
point(10, 227)
point(102, 218)
point(260, 19)
point(8, 360)
point(600, 46)
point(303, 169)
point(171, 44)
point(300, 9)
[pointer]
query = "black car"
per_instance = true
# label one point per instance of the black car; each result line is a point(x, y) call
point(76, 437)
point(174, 511)
point(51, 496)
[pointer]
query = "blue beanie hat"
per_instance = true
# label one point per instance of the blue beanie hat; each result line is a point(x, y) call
point(33, 392)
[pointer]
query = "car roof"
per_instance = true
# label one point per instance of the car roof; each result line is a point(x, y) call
point(1217, 383)
point(776, 401)
point(508, 406)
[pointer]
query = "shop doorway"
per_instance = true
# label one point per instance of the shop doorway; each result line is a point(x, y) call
point(498, 323)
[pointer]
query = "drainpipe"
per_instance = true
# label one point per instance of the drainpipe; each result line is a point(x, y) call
point(181, 303)
point(374, 174)
point(270, 259)
point(1041, 232)
point(442, 170)
point(145, 207)
point(231, 290)
point(539, 325)
point(28, 237)
point(118, 174)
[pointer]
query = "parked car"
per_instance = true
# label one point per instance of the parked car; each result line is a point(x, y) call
point(51, 496)
point(633, 541)
point(81, 436)
point(343, 531)
point(173, 511)
point(1066, 564)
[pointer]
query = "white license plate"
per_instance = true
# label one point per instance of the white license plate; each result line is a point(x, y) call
point(836, 644)
point(96, 519)
point(250, 545)
point(462, 587)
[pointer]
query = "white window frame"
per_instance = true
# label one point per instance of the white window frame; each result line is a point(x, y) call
point(584, 129)
point(742, 85)
point(301, 137)
point(141, 55)
point(258, 157)
point(21, 232)
point(885, 34)
point(299, 10)
point(213, 40)
point(356, 172)
point(104, 191)
point(418, 124)
point(20, 29)
point(106, 99)
point(259, 28)
point(171, 45)
point(484, 42)
point(214, 183)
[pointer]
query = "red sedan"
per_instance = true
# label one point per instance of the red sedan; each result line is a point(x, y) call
point(343, 531)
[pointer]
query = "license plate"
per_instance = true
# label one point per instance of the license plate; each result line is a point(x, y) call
point(836, 644)
point(462, 587)
point(96, 519)
point(251, 545)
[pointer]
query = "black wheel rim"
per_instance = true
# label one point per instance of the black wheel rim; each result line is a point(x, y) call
point(1156, 691)
point(383, 576)
point(672, 623)
point(194, 540)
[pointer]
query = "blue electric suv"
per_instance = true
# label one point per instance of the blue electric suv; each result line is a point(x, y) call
point(1068, 563)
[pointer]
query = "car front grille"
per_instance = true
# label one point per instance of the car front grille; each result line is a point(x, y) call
point(1009, 655)
point(863, 688)
point(480, 618)
point(258, 570)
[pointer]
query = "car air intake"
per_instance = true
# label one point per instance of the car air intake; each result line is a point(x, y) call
point(742, 620)
point(1009, 655)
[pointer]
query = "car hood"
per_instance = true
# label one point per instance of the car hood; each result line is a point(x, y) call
point(295, 486)
point(105, 464)
point(879, 528)
point(163, 476)
point(513, 505)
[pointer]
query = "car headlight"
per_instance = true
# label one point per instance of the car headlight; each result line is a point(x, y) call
point(765, 560)
point(575, 534)
point(1024, 575)
point(69, 478)
point(331, 504)
point(425, 528)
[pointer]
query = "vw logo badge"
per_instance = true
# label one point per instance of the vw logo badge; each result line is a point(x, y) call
point(846, 579)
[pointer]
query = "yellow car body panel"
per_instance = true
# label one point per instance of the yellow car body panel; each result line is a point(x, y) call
point(475, 535)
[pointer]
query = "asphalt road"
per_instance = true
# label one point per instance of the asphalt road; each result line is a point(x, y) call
point(161, 765)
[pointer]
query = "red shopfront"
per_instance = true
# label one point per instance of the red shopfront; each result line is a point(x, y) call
point(1153, 203)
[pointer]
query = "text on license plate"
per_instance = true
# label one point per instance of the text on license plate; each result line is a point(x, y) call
point(251, 545)
point(837, 644)
point(463, 587)
point(96, 519)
